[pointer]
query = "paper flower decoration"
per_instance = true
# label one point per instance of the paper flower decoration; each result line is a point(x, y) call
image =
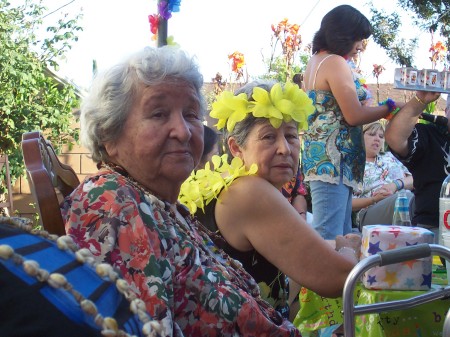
point(279, 105)
point(154, 22)
point(204, 185)
point(165, 9)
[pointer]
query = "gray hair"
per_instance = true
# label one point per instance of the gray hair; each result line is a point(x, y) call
point(106, 108)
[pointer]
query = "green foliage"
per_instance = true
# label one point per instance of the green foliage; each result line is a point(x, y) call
point(386, 30)
point(31, 98)
point(432, 16)
point(281, 71)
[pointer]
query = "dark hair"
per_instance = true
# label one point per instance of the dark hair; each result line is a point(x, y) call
point(210, 138)
point(340, 29)
point(298, 79)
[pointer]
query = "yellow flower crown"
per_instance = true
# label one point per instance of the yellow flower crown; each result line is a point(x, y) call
point(281, 104)
point(204, 185)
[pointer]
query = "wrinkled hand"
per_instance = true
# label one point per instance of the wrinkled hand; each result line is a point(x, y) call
point(350, 240)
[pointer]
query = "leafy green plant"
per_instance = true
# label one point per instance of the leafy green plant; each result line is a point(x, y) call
point(386, 28)
point(31, 96)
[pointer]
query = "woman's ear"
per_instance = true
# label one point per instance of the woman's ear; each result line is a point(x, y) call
point(235, 149)
point(110, 148)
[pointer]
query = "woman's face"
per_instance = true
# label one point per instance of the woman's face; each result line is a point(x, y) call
point(162, 139)
point(357, 47)
point(374, 142)
point(275, 151)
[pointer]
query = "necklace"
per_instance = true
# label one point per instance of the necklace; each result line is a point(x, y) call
point(108, 325)
point(231, 268)
point(178, 215)
point(123, 172)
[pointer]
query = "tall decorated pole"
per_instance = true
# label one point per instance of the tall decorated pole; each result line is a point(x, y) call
point(158, 22)
point(162, 33)
point(162, 24)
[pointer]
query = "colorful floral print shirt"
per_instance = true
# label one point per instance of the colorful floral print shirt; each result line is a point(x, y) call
point(273, 284)
point(332, 147)
point(295, 186)
point(384, 170)
point(189, 286)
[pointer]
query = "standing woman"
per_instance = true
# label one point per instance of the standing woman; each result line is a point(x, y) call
point(333, 155)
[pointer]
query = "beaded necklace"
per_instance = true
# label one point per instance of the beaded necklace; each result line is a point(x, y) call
point(204, 240)
point(108, 325)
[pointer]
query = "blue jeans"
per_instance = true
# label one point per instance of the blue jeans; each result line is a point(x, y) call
point(331, 208)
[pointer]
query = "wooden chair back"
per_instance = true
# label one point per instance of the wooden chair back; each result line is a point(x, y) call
point(49, 180)
point(8, 203)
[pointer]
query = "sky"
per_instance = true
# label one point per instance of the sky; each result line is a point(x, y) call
point(209, 30)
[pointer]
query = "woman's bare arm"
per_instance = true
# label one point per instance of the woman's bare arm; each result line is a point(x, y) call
point(336, 76)
point(264, 220)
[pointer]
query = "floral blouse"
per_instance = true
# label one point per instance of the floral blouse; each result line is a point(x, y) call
point(295, 186)
point(385, 169)
point(190, 287)
point(332, 147)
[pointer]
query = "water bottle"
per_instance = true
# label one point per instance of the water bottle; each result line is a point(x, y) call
point(401, 211)
point(444, 209)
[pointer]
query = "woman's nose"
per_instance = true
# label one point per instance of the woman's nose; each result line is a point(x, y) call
point(283, 146)
point(180, 128)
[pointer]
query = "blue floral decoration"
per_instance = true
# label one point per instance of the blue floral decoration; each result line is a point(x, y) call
point(174, 5)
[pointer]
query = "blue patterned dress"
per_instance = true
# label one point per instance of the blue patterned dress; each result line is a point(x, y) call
point(331, 143)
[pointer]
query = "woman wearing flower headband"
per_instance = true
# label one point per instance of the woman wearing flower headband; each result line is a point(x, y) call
point(142, 123)
point(255, 223)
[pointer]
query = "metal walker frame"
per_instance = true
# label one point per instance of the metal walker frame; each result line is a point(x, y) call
point(350, 310)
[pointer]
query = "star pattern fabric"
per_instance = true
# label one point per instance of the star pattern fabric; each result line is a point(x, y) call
point(407, 275)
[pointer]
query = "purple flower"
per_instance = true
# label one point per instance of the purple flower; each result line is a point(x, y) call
point(163, 10)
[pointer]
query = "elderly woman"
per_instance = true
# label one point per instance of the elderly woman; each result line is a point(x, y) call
point(255, 223)
point(142, 123)
point(384, 176)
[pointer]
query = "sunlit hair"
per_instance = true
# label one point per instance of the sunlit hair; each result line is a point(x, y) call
point(373, 128)
point(340, 29)
point(106, 108)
